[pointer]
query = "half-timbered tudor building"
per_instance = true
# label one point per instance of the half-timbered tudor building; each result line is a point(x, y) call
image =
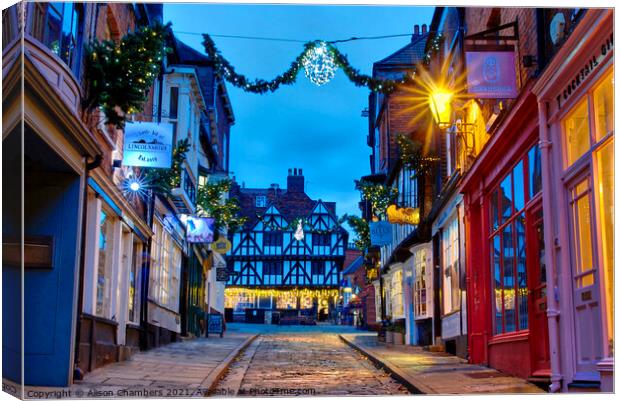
point(289, 256)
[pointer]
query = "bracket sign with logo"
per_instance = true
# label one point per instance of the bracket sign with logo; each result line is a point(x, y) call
point(148, 144)
point(380, 233)
point(491, 72)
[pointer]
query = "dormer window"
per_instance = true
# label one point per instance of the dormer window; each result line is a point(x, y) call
point(261, 201)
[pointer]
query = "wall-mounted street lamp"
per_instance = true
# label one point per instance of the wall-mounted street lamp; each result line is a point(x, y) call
point(441, 102)
point(441, 107)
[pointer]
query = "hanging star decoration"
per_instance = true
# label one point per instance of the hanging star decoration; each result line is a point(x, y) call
point(320, 60)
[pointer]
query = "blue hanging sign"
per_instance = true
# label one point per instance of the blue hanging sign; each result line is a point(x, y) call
point(380, 233)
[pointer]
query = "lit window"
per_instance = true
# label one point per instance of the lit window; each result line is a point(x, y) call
point(576, 133)
point(261, 201)
point(604, 107)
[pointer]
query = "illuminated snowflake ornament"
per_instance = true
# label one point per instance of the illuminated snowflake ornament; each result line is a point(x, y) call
point(319, 64)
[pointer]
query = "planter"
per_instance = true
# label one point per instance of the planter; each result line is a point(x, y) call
point(389, 337)
point(399, 338)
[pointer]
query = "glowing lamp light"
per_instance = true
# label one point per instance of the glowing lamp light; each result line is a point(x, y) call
point(441, 108)
point(347, 289)
point(135, 186)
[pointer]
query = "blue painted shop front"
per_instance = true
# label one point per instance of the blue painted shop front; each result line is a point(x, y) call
point(51, 216)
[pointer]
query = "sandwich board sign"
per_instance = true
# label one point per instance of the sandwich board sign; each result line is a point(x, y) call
point(215, 324)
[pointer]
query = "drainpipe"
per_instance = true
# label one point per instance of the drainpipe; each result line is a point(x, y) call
point(78, 374)
point(553, 312)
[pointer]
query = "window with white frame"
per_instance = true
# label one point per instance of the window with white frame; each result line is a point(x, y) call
point(165, 268)
point(105, 248)
point(419, 286)
point(134, 278)
point(450, 266)
point(397, 294)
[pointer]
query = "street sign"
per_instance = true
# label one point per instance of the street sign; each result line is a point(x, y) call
point(215, 324)
point(222, 274)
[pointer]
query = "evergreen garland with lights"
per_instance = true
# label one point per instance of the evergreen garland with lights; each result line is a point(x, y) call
point(289, 77)
point(380, 196)
point(119, 75)
point(362, 230)
point(209, 204)
point(291, 227)
point(163, 180)
point(412, 155)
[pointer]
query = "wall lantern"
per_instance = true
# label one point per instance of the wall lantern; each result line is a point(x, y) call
point(441, 107)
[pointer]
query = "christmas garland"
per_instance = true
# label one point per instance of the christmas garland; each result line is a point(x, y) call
point(163, 180)
point(324, 56)
point(304, 223)
point(362, 230)
point(119, 75)
point(412, 155)
point(379, 195)
point(226, 213)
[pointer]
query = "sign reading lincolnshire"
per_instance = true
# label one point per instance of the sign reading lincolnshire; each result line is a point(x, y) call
point(380, 233)
point(148, 144)
point(491, 74)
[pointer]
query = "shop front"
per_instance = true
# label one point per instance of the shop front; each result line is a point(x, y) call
point(576, 103)
point(505, 268)
point(420, 299)
point(448, 230)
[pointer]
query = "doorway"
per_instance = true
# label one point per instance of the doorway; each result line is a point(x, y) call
point(537, 275)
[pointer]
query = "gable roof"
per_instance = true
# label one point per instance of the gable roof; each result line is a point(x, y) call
point(409, 55)
point(352, 268)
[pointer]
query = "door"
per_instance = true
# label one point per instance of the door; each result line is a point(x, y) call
point(51, 208)
point(537, 277)
point(585, 280)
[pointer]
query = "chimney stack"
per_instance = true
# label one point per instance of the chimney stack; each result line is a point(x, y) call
point(423, 29)
point(416, 32)
point(295, 182)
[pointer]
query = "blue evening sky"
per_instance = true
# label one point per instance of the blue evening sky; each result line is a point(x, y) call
point(318, 129)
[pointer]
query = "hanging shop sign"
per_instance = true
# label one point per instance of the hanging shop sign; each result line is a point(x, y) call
point(221, 246)
point(200, 230)
point(380, 233)
point(148, 144)
point(222, 274)
point(491, 72)
point(403, 215)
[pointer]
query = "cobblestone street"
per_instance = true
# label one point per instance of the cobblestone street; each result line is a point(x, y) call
point(283, 364)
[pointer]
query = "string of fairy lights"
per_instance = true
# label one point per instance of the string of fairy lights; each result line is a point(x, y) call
point(320, 60)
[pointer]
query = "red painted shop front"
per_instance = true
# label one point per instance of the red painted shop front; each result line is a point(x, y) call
point(506, 275)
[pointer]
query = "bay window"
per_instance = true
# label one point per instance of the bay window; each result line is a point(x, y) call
point(59, 27)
